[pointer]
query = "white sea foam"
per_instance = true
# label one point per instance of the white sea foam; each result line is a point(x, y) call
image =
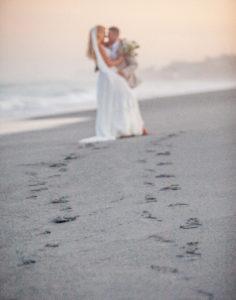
point(37, 99)
point(8, 127)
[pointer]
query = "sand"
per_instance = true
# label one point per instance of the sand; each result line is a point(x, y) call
point(139, 218)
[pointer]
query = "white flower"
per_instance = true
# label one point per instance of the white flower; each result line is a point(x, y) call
point(129, 47)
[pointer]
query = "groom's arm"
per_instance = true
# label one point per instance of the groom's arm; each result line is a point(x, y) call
point(108, 61)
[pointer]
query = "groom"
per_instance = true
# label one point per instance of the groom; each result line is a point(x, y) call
point(127, 68)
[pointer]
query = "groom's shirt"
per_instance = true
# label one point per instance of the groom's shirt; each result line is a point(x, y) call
point(114, 49)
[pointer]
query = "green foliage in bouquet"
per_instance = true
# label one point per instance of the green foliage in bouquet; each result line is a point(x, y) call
point(129, 48)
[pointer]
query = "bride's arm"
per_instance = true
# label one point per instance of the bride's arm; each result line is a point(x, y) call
point(108, 61)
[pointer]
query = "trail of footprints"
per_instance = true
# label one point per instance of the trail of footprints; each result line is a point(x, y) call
point(37, 187)
point(191, 250)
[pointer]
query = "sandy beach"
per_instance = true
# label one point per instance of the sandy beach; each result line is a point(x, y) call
point(138, 218)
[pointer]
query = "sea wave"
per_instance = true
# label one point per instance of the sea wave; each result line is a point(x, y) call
point(19, 101)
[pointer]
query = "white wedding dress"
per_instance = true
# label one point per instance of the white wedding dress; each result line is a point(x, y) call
point(118, 111)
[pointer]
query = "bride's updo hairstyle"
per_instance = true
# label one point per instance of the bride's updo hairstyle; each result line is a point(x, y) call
point(100, 34)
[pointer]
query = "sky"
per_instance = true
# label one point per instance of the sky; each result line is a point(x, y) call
point(47, 39)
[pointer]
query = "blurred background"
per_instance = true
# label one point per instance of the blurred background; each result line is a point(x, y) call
point(186, 46)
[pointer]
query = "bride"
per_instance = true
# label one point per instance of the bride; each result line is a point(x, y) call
point(118, 113)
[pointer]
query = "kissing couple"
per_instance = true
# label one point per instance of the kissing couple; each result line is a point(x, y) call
point(116, 47)
point(118, 114)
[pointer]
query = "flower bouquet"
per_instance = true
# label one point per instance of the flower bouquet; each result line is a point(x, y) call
point(129, 48)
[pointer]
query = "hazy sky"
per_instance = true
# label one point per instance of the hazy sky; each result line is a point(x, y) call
point(47, 39)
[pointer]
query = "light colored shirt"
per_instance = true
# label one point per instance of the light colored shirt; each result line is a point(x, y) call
point(114, 49)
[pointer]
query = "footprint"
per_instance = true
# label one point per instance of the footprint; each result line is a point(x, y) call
point(191, 250)
point(171, 135)
point(147, 215)
point(177, 204)
point(93, 213)
point(39, 190)
point(26, 261)
point(63, 199)
point(150, 198)
point(51, 245)
point(56, 175)
point(163, 153)
point(38, 183)
point(186, 278)
point(63, 219)
point(71, 156)
point(163, 269)
point(148, 183)
point(164, 176)
point(172, 187)
point(57, 165)
point(32, 197)
point(209, 296)
point(164, 163)
point(160, 239)
point(46, 232)
point(191, 223)
point(66, 208)
point(119, 199)
point(150, 170)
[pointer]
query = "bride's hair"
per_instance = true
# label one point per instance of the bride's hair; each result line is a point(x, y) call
point(90, 50)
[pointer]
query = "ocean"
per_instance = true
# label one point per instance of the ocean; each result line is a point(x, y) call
point(32, 99)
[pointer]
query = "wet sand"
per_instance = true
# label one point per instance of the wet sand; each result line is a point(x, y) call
point(139, 218)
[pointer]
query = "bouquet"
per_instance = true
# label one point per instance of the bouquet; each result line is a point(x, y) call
point(128, 48)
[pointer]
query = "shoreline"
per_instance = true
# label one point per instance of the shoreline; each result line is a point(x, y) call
point(59, 119)
point(27, 125)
